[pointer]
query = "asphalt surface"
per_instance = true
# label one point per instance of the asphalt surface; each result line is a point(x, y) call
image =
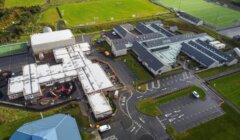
point(14, 63)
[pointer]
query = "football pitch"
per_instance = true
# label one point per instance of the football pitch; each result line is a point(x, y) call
point(228, 86)
point(211, 13)
point(17, 3)
point(101, 11)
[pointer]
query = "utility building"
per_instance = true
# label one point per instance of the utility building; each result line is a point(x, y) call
point(45, 42)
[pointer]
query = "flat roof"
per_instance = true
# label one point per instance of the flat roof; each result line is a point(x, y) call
point(15, 85)
point(43, 38)
point(99, 103)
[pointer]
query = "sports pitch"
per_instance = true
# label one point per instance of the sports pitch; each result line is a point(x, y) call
point(17, 3)
point(211, 13)
point(228, 86)
point(101, 11)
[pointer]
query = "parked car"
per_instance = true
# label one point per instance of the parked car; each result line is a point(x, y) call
point(195, 94)
point(104, 128)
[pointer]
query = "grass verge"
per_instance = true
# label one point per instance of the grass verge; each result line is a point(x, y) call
point(216, 71)
point(226, 127)
point(150, 106)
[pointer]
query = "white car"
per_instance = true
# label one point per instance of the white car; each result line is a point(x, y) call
point(104, 128)
point(195, 94)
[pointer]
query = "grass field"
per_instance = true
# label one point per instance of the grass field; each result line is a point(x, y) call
point(10, 49)
point(18, 3)
point(211, 13)
point(226, 127)
point(228, 86)
point(11, 119)
point(151, 106)
point(216, 71)
point(102, 11)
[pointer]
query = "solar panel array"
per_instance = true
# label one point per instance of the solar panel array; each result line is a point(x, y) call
point(142, 28)
point(146, 56)
point(207, 52)
point(161, 30)
point(197, 55)
point(121, 31)
point(222, 54)
point(159, 49)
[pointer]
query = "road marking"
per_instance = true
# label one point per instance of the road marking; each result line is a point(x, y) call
point(164, 127)
point(141, 119)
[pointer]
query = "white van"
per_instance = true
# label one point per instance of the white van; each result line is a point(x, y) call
point(104, 128)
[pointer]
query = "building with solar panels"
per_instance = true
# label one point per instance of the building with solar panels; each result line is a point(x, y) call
point(157, 48)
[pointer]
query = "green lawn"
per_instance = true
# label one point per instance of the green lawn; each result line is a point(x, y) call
point(151, 106)
point(11, 49)
point(137, 68)
point(102, 11)
point(18, 3)
point(226, 127)
point(212, 13)
point(11, 119)
point(216, 71)
point(229, 86)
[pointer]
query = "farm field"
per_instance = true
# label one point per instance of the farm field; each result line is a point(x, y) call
point(213, 14)
point(18, 3)
point(102, 11)
point(228, 86)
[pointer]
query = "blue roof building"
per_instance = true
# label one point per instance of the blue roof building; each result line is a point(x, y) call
point(56, 127)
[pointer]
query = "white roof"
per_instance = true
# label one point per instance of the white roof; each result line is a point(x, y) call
point(57, 72)
point(44, 73)
point(43, 38)
point(100, 76)
point(15, 85)
point(85, 47)
point(69, 69)
point(31, 87)
point(60, 51)
point(30, 71)
point(99, 103)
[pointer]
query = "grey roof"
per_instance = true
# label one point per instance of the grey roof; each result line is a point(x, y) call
point(142, 28)
point(197, 55)
point(56, 127)
point(119, 44)
point(223, 55)
point(189, 17)
point(146, 56)
point(176, 38)
point(121, 31)
point(162, 30)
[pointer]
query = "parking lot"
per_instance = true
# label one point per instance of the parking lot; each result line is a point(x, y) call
point(169, 81)
point(189, 111)
point(14, 63)
point(117, 132)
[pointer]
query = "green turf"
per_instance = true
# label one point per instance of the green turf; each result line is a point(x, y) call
point(211, 13)
point(151, 106)
point(18, 3)
point(11, 119)
point(11, 49)
point(218, 70)
point(229, 86)
point(102, 11)
point(226, 127)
